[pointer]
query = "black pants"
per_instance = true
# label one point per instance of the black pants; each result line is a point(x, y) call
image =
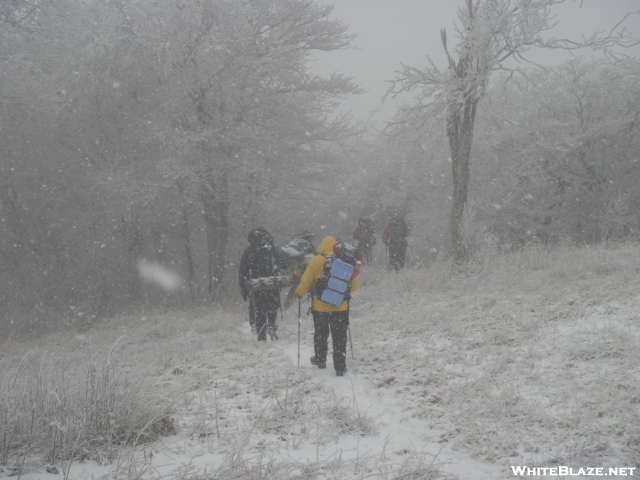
point(336, 323)
point(366, 247)
point(265, 315)
point(397, 254)
point(252, 314)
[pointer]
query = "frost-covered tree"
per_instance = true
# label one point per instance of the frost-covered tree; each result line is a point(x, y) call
point(243, 105)
point(559, 154)
point(145, 129)
point(489, 33)
point(61, 116)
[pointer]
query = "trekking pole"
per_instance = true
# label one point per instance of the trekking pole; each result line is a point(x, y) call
point(299, 308)
point(351, 343)
point(252, 313)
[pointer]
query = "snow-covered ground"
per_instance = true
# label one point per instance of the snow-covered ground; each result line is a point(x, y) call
point(528, 359)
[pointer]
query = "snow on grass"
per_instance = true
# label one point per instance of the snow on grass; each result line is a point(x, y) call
point(525, 367)
point(528, 358)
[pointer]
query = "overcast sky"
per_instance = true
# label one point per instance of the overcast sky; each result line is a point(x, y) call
point(391, 32)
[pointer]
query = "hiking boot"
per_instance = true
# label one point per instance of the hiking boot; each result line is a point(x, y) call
point(340, 373)
point(272, 333)
point(317, 363)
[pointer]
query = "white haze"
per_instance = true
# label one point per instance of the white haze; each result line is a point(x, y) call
point(158, 274)
point(391, 33)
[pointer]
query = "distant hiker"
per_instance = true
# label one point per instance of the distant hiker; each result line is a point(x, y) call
point(261, 259)
point(332, 315)
point(394, 236)
point(365, 235)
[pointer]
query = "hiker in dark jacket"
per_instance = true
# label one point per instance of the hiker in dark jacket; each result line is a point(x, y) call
point(365, 235)
point(261, 259)
point(394, 236)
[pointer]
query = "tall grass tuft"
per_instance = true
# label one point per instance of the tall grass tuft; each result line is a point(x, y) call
point(48, 410)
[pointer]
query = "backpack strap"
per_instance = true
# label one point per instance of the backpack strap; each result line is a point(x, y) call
point(323, 279)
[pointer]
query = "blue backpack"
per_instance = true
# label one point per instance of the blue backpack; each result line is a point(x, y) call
point(339, 269)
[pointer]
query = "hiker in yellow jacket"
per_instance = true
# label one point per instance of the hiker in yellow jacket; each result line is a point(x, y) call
point(327, 318)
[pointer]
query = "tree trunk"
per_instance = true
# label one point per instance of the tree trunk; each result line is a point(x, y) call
point(133, 243)
point(188, 251)
point(215, 203)
point(463, 104)
point(214, 195)
point(460, 133)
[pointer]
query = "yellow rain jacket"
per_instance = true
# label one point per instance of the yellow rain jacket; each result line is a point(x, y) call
point(313, 272)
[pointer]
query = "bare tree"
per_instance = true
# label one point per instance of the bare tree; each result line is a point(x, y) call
point(490, 32)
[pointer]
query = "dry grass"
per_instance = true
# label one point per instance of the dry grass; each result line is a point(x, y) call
point(525, 356)
point(66, 412)
point(515, 342)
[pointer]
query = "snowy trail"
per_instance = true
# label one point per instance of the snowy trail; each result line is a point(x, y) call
point(398, 431)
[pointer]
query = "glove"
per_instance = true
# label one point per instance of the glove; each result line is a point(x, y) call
point(245, 295)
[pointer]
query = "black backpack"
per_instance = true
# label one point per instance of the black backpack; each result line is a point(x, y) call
point(262, 262)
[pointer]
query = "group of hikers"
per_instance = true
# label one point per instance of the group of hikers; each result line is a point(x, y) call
point(394, 238)
point(328, 274)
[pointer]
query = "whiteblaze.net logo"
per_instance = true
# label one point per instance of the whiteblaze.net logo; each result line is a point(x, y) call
point(564, 471)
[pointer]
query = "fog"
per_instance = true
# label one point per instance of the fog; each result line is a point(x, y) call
point(142, 141)
point(391, 33)
point(488, 207)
